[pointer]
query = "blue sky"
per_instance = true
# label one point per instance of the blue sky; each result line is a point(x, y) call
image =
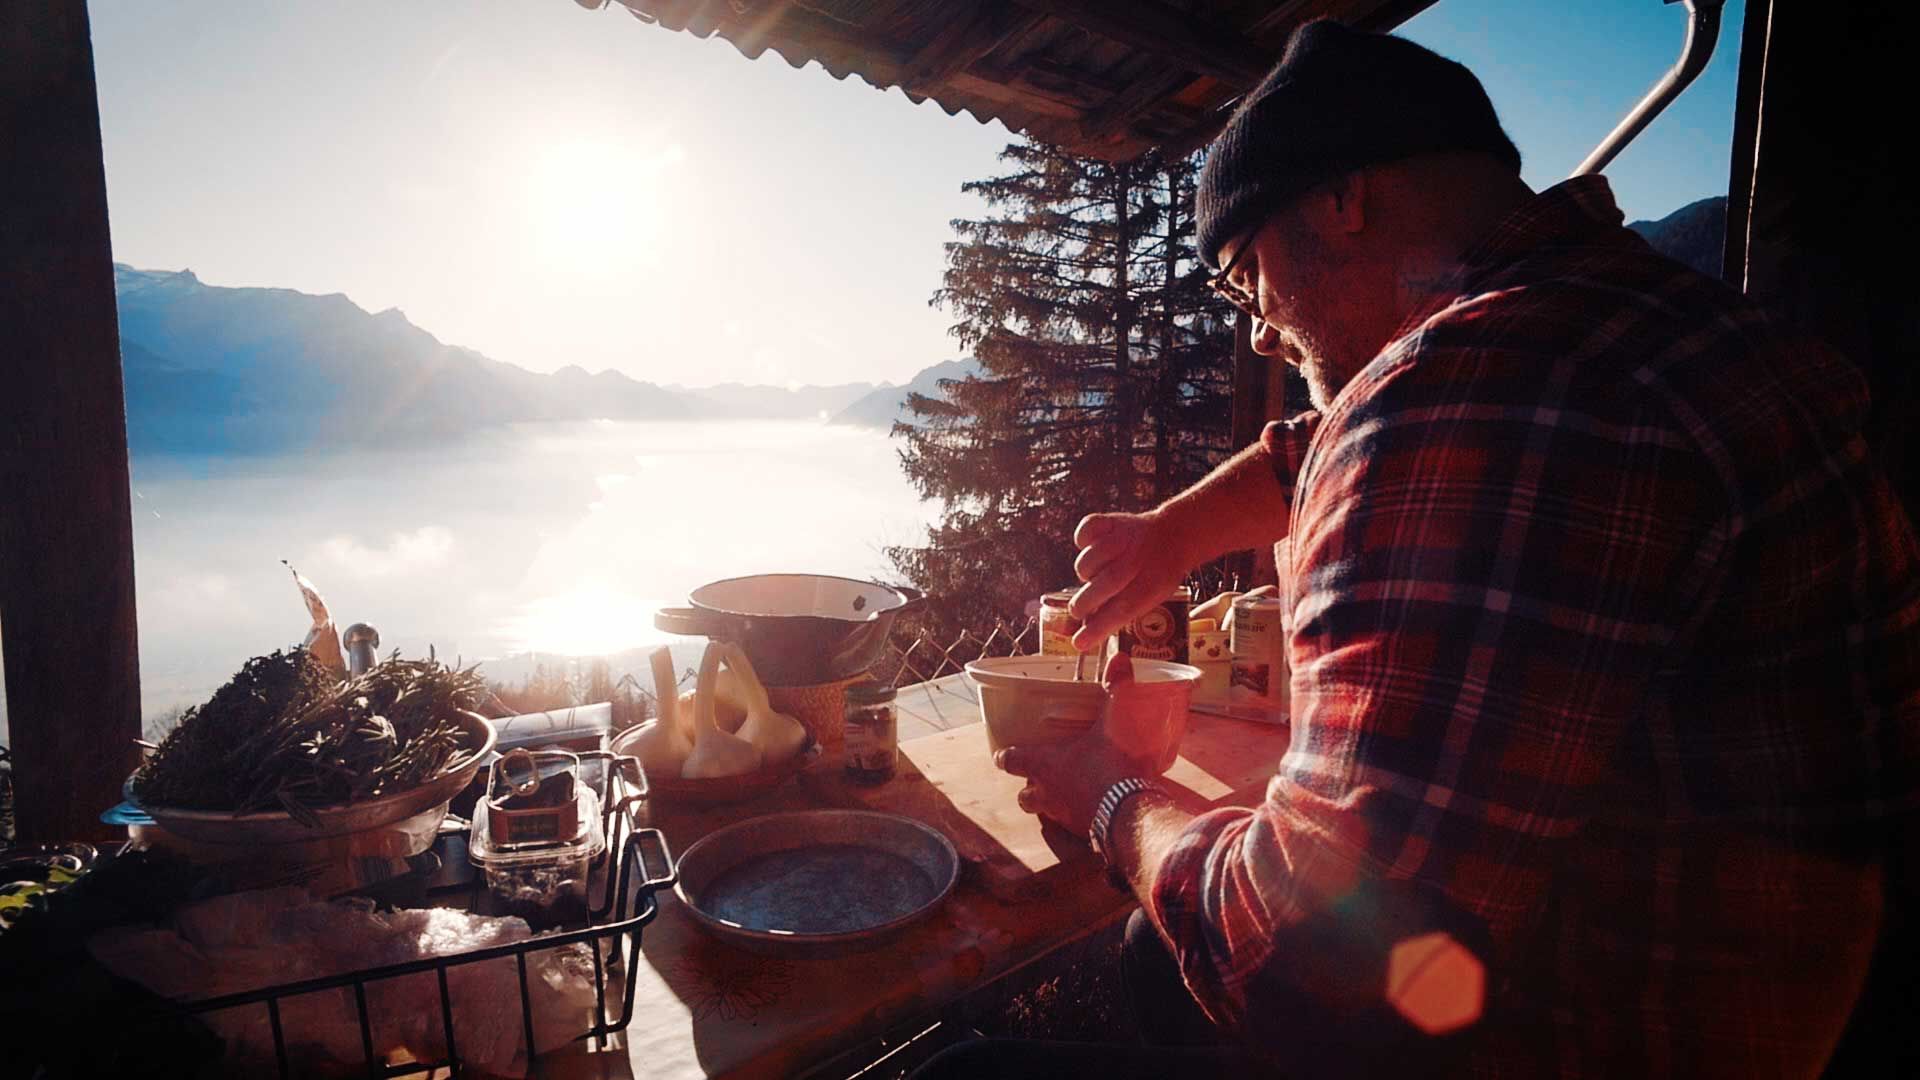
point(1562, 73)
point(551, 185)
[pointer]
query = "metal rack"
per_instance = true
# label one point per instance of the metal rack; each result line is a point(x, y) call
point(627, 885)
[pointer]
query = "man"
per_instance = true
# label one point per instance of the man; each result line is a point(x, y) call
point(1605, 625)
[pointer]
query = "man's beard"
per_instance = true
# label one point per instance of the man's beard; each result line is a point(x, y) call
point(1309, 352)
point(1302, 281)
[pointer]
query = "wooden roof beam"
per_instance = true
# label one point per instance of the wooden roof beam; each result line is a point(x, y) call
point(881, 62)
point(1119, 115)
point(671, 14)
point(1116, 113)
point(1197, 136)
point(1153, 27)
point(1127, 107)
point(1382, 17)
point(759, 23)
point(1032, 99)
point(964, 41)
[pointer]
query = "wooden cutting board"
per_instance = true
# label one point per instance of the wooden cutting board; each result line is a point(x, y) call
point(948, 781)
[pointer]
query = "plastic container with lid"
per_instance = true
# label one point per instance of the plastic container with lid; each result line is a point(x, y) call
point(1259, 640)
point(544, 883)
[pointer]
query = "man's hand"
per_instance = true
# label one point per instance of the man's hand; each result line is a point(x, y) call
point(1065, 780)
point(1130, 562)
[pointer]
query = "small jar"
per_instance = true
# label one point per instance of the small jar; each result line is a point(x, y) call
point(1057, 624)
point(1160, 632)
point(873, 733)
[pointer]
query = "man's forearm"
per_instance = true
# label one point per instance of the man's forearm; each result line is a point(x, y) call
point(1144, 831)
point(1239, 505)
point(1130, 561)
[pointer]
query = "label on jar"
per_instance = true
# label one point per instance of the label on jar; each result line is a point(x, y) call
point(872, 743)
point(1160, 632)
point(1259, 653)
point(1057, 624)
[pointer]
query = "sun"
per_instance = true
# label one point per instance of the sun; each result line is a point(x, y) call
point(590, 619)
point(597, 207)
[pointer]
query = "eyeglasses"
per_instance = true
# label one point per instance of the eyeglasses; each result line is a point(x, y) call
point(1223, 284)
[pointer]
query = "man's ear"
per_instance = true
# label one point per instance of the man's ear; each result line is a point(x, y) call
point(1337, 207)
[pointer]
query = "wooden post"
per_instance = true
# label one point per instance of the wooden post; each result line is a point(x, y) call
point(1249, 384)
point(1746, 130)
point(1254, 379)
point(1823, 221)
point(1830, 215)
point(66, 531)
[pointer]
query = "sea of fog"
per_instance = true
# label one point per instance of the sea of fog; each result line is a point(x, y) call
point(549, 539)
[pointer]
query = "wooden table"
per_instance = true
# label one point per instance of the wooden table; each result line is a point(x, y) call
point(708, 1009)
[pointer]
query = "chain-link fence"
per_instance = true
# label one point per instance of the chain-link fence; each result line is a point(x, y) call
point(905, 660)
point(921, 658)
point(918, 658)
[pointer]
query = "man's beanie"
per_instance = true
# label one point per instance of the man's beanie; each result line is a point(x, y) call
point(1339, 100)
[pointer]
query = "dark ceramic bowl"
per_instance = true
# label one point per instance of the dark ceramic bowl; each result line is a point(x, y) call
point(798, 629)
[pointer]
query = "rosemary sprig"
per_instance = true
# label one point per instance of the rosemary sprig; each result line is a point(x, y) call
point(283, 734)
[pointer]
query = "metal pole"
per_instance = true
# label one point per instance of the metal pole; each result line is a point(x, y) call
point(1703, 31)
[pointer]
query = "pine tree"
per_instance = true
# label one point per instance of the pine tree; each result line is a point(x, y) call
point(1106, 367)
point(598, 684)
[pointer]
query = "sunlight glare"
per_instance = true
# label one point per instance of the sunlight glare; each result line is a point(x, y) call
point(590, 620)
point(597, 208)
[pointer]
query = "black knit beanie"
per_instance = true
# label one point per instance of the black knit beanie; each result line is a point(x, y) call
point(1340, 99)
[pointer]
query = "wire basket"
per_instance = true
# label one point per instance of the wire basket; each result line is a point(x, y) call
point(637, 865)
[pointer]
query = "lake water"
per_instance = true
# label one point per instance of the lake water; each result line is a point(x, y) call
point(557, 539)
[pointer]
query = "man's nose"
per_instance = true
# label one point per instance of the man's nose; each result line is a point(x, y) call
point(1266, 340)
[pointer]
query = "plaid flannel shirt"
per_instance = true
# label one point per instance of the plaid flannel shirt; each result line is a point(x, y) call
point(1606, 630)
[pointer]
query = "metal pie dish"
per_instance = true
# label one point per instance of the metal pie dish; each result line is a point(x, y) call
point(816, 881)
point(268, 827)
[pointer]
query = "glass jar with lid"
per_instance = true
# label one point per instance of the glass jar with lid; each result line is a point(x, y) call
point(1057, 624)
point(873, 733)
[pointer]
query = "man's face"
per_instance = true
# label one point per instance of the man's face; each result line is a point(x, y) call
point(1286, 273)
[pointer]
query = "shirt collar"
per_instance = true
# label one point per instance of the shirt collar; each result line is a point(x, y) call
point(1568, 210)
point(1575, 209)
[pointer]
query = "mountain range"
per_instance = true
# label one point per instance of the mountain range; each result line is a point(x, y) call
point(241, 370)
point(754, 400)
point(882, 406)
point(1695, 234)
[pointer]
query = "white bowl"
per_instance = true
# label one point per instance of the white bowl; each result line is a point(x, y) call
point(1029, 700)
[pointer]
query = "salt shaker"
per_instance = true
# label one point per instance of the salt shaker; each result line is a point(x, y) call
point(361, 640)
